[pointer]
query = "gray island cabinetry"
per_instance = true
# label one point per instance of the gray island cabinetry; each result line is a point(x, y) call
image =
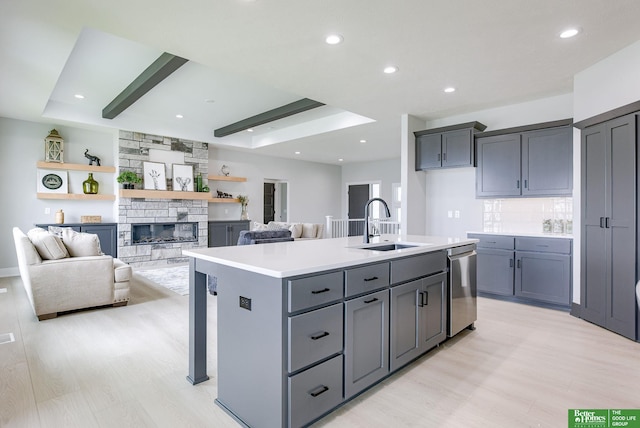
point(304, 326)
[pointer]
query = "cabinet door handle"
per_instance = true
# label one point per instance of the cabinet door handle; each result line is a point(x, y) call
point(426, 298)
point(607, 222)
point(320, 336)
point(517, 184)
point(444, 156)
point(602, 222)
point(518, 264)
point(525, 184)
point(322, 389)
point(439, 157)
point(373, 278)
point(320, 291)
point(375, 299)
point(510, 262)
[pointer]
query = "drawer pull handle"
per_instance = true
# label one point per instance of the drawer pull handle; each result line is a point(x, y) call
point(491, 242)
point(320, 336)
point(375, 299)
point(373, 278)
point(322, 389)
point(540, 245)
point(320, 291)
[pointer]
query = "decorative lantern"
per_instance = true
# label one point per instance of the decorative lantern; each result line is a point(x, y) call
point(53, 147)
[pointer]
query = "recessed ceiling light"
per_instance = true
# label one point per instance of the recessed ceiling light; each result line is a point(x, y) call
point(79, 96)
point(179, 116)
point(449, 89)
point(334, 39)
point(390, 69)
point(340, 160)
point(568, 33)
point(250, 130)
point(297, 153)
point(363, 141)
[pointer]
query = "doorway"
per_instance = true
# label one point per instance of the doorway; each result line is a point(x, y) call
point(269, 209)
point(276, 201)
point(358, 195)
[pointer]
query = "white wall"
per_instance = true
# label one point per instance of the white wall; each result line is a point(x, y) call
point(314, 188)
point(413, 184)
point(21, 146)
point(386, 172)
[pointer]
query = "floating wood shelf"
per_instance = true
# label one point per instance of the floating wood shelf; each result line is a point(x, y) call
point(163, 194)
point(224, 200)
point(76, 196)
point(75, 167)
point(225, 178)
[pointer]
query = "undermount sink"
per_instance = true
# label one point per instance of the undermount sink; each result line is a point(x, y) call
point(388, 247)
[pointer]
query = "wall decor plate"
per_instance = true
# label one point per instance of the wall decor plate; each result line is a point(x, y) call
point(52, 181)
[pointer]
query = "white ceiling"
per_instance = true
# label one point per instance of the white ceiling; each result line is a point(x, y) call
point(253, 56)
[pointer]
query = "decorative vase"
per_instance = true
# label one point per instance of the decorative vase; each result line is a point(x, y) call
point(244, 215)
point(199, 183)
point(90, 186)
point(59, 217)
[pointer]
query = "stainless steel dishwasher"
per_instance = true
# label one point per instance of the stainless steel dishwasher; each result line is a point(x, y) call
point(462, 302)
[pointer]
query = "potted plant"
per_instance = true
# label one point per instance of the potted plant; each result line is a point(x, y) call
point(128, 179)
point(244, 201)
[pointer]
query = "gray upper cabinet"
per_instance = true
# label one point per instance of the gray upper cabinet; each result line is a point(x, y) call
point(525, 162)
point(609, 215)
point(447, 147)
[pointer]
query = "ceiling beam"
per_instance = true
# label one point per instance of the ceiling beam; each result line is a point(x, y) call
point(268, 116)
point(154, 74)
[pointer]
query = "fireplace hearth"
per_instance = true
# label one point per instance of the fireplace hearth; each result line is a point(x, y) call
point(163, 233)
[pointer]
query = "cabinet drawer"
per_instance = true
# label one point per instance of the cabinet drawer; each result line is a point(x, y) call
point(494, 241)
point(314, 336)
point(544, 245)
point(314, 290)
point(418, 266)
point(366, 279)
point(315, 391)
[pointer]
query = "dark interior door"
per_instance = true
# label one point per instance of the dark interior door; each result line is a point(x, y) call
point(269, 202)
point(358, 197)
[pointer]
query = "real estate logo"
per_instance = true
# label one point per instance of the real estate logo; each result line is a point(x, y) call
point(604, 418)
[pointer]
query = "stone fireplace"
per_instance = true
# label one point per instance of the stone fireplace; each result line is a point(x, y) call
point(153, 232)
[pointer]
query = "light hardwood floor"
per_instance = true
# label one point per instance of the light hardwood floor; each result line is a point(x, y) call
point(125, 367)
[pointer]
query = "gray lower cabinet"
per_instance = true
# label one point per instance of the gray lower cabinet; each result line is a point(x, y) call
point(418, 318)
point(107, 234)
point(531, 163)
point(366, 350)
point(530, 269)
point(226, 233)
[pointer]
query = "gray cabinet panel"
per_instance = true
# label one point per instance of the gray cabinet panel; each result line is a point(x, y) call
point(457, 148)
point(495, 270)
point(366, 279)
point(315, 391)
point(547, 162)
point(366, 349)
point(498, 172)
point(314, 336)
point(545, 245)
point(433, 312)
point(409, 268)
point(543, 276)
point(494, 241)
point(429, 151)
point(314, 290)
point(226, 233)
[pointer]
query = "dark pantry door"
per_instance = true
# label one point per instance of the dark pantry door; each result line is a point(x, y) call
point(358, 197)
point(269, 202)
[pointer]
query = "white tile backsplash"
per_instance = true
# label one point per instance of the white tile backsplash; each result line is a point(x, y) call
point(528, 215)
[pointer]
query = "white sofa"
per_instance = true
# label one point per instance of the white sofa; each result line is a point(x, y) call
point(60, 277)
point(299, 231)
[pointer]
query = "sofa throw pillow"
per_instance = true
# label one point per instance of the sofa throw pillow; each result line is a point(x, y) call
point(57, 230)
point(49, 246)
point(277, 226)
point(296, 230)
point(309, 230)
point(81, 244)
point(258, 226)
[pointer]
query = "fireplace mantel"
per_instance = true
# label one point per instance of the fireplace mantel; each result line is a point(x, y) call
point(170, 194)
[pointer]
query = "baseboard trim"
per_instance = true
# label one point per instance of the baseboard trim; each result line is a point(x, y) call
point(7, 272)
point(575, 309)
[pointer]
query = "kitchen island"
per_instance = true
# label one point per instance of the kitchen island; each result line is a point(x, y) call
point(305, 326)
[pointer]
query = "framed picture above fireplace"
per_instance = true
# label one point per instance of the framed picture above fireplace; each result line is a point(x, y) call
point(154, 176)
point(182, 177)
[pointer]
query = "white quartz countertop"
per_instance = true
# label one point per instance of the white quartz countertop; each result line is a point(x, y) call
point(525, 234)
point(285, 259)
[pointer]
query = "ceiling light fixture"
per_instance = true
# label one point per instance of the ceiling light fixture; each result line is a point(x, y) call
point(297, 153)
point(79, 96)
point(250, 130)
point(363, 141)
point(390, 69)
point(179, 116)
point(570, 32)
point(334, 39)
point(449, 89)
point(340, 160)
